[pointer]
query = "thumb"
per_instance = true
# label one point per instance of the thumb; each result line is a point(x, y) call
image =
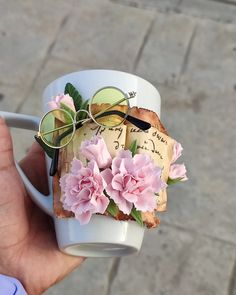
point(13, 217)
point(10, 182)
point(6, 147)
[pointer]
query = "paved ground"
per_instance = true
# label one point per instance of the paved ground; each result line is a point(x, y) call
point(187, 48)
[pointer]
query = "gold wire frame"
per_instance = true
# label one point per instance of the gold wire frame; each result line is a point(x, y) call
point(91, 116)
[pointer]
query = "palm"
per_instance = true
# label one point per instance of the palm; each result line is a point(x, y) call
point(28, 248)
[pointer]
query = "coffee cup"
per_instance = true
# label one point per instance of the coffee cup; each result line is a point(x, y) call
point(103, 236)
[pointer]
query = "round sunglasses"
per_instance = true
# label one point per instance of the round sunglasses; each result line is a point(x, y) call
point(108, 107)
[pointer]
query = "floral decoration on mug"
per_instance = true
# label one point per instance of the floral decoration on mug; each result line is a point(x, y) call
point(130, 182)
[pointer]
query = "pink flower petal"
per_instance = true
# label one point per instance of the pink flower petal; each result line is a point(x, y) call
point(84, 194)
point(114, 194)
point(56, 101)
point(107, 175)
point(102, 203)
point(117, 182)
point(141, 160)
point(94, 167)
point(71, 180)
point(125, 206)
point(96, 149)
point(115, 166)
point(83, 218)
point(52, 105)
point(76, 166)
point(178, 171)
point(177, 151)
point(127, 166)
point(62, 181)
point(68, 101)
point(129, 197)
point(124, 154)
point(146, 202)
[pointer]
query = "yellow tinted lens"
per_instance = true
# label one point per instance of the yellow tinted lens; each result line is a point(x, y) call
point(105, 101)
point(56, 128)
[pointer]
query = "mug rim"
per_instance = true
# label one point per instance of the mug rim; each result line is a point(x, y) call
point(100, 70)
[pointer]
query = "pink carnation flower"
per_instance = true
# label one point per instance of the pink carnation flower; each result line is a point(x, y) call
point(133, 181)
point(177, 151)
point(96, 149)
point(55, 103)
point(83, 191)
point(178, 171)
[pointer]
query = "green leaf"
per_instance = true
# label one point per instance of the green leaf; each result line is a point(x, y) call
point(112, 208)
point(73, 92)
point(48, 150)
point(137, 216)
point(173, 181)
point(133, 147)
point(69, 110)
point(84, 106)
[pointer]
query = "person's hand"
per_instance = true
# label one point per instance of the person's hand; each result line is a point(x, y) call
point(28, 247)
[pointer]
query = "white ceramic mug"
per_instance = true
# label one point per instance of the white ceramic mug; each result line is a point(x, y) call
point(103, 236)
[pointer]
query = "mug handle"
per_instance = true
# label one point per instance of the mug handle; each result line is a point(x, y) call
point(30, 123)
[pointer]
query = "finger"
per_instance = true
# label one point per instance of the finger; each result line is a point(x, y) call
point(34, 166)
point(36, 149)
point(6, 147)
point(13, 218)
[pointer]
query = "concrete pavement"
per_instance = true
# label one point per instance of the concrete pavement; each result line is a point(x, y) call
point(187, 49)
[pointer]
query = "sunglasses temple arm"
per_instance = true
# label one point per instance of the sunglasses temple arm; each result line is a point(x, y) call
point(138, 123)
point(54, 163)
